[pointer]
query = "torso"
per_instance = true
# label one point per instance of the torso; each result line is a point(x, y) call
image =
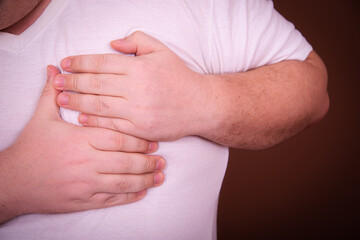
point(210, 36)
point(185, 206)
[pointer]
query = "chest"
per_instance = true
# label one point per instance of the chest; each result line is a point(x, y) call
point(88, 30)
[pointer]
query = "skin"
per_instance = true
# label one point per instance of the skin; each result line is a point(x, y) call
point(84, 173)
point(251, 110)
point(17, 15)
point(93, 168)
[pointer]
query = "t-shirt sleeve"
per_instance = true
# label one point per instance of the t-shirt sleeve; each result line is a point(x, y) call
point(247, 34)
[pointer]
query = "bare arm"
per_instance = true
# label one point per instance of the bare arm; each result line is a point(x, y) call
point(264, 106)
point(154, 95)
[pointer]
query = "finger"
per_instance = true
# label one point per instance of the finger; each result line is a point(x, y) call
point(109, 140)
point(129, 163)
point(95, 104)
point(47, 106)
point(138, 43)
point(125, 183)
point(104, 84)
point(98, 63)
point(103, 200)
point(116, 124)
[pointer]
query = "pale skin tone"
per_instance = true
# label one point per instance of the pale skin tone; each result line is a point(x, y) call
point(155, 96)
point(144, 97)
point(56, 167)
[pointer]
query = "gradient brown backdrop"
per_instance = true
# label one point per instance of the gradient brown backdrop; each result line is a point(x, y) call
point(305, 188)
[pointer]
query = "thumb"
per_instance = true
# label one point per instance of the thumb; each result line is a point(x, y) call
point(138, 43)
point(47, 106)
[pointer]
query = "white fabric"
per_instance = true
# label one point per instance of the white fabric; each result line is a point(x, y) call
point(210, 36)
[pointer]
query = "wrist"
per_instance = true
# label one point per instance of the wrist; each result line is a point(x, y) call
point(208, 112)
point(8, 210)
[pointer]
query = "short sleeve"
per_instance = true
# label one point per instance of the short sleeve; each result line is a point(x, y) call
point(247, 34)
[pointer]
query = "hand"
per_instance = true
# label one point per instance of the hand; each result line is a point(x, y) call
point(56, 167)
point(152, 95)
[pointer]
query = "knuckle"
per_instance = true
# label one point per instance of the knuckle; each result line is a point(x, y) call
point(86, 187)
point(142, 145)
point(125, 163)
point(95, 82)
point(100, 61)
point(112, 124)
point(105, 199)
point(119, 139)
point(74, 82)
point(110, 199)
point(124, 184)
point(150, 164)
point(137, 34)
point(97, 105)
point(94, 120)
point(150, 123)
point(149, 181)
point(78, 62)
point(76, 100)
point(85, 191)
point(128, 198)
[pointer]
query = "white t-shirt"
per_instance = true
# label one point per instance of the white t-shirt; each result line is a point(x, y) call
point(211, 36)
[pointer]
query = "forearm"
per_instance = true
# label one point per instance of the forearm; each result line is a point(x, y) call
point(250, 110)
point(262, 107)
point(7, 210)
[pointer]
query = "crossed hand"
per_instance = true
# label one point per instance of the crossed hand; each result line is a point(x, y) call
point(58, 167)
point(153, 95)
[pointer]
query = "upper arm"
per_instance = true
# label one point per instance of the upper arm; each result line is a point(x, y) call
point(250, 33)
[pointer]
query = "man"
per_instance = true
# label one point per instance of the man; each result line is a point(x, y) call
point(86, 170)
point(222, 72)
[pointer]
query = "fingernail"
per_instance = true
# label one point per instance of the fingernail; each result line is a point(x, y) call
point(63, 99)
point(141, 194)
point(83, 118)
point(160, 164)
point(158, 178)
point(59, 82)
point(152, 147)
point(66, 63)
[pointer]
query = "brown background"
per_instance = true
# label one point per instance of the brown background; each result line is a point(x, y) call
point(307, 187)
